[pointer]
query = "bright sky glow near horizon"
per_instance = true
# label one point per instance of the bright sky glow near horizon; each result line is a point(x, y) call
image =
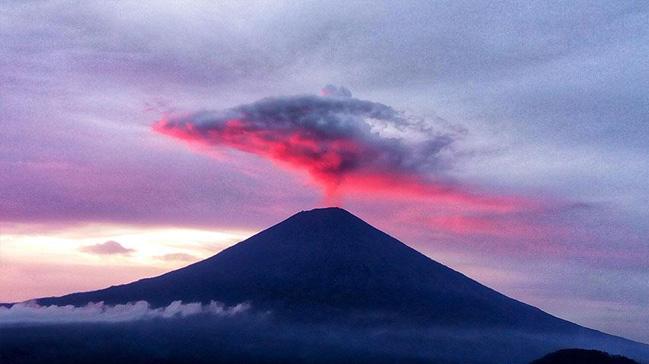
point(507, 141)
point(73, 253)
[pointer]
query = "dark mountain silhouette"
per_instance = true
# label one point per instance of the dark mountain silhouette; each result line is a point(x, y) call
point(328, 267)
point(328, 261)
point(580, 356)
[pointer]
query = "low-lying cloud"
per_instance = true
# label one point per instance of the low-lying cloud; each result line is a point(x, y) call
point(342, 142)
point(30, 312)
point(265, 339)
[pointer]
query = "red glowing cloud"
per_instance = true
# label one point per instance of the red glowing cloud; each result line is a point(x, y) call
point(334, 140)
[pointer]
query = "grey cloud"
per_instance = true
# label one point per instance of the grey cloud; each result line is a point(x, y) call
point(310, 129)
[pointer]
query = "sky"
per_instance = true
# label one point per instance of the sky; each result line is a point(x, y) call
point(506, 140)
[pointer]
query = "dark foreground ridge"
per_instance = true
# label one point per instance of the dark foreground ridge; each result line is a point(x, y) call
point(580, 356)
point(326, 272)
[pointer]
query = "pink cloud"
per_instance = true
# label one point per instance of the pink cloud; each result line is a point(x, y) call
point(332, 139)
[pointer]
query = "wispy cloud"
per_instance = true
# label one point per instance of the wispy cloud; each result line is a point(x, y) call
point(108, 248)
point(179, 257)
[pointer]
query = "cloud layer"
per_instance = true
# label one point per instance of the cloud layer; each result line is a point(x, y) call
point(99, 312)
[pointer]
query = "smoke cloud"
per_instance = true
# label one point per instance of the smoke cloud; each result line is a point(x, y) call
point(30, 312)
point(342, 142)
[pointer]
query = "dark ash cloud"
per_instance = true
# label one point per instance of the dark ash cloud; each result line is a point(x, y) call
point(108, 248)
point(342, 142)
point(331, 136)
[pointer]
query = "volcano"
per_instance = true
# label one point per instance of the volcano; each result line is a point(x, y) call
point(328, 262)
point(329, 266)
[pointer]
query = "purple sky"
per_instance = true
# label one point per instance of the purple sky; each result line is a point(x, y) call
point(507, 141)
